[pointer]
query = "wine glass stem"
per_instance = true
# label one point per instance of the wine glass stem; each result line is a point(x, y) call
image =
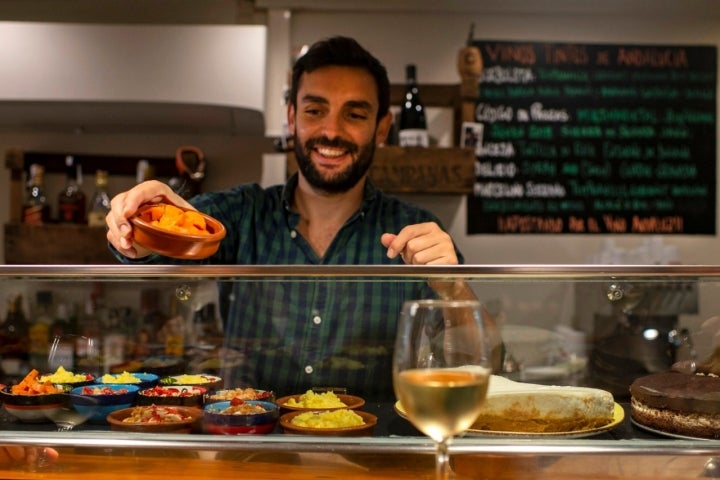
point(442, 461)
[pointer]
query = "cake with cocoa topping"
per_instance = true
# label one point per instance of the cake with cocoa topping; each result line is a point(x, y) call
point(678, 401)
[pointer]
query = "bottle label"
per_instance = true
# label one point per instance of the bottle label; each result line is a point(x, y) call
point(33, 215)
point(414, 137)
point(96, 219)
point(70, 212)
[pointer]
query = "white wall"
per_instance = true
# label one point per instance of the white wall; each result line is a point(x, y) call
point(432, 39)
point(220, 65)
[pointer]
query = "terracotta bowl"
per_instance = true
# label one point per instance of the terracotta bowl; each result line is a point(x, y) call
point(192, 415)
point(174, 244)
point(351, 402)
point(363, 430)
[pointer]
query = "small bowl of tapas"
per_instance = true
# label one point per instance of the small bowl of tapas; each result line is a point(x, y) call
point(97, 401)
point(316, 401)
point(247, 393)
point(177, 232)
point(32, 401)
point(141, 379)
point(180, 395)
point(329, 423)
point(238, 417)
point(67, 378)
point(209, 382)
point(156, 419)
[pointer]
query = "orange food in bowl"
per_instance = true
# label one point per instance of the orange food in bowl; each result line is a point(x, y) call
point(31, 386)
point(170, 217)
point(176, 232)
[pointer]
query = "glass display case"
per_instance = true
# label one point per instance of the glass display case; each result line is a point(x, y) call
point(287, 329)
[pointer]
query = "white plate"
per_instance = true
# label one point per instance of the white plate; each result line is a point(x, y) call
point(618, 417)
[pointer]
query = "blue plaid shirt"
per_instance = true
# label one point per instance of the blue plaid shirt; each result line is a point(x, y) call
point(315, 332)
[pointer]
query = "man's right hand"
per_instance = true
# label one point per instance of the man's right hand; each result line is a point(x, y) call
point(124, 205)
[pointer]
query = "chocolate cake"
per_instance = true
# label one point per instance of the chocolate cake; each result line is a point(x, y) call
point(678, 403)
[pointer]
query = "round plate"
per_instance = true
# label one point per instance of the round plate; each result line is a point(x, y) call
point(351, 402)
point(666, 434)
point(618, 417)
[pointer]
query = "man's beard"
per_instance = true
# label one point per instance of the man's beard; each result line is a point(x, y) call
point(339, 182)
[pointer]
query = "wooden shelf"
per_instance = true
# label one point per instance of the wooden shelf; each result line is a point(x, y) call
point(56, 244)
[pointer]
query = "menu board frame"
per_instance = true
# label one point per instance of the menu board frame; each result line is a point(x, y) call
point(584, 138)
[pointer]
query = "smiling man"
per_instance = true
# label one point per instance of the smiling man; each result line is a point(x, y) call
point(328, 213)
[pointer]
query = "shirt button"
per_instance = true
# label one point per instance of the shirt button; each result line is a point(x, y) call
point(317, 320)
point(308, 369)
point(293, 234)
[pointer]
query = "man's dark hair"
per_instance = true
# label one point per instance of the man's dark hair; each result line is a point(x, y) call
point(346, 52)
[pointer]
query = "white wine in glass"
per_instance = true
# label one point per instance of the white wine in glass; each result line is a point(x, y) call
point(441, 369)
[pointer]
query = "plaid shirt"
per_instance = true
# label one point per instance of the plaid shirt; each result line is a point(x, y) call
point(303, 333)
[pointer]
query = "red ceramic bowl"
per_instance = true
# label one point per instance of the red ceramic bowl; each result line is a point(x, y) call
point(174, 244)
point(219, 423)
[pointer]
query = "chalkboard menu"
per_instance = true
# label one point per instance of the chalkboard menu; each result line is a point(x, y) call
point(591, 138)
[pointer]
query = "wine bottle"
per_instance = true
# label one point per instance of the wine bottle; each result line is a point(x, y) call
point(412, 131)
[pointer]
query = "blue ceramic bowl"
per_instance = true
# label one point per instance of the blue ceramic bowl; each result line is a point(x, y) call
point(144, 380)
point(96, 401)
point(221, 423)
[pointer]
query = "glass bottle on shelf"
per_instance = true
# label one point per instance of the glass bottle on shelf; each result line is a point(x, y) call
point(71, 200)
point(39, 330)
point(99, 206)
point(14, 338)
point(412, 131)
point(35, 209)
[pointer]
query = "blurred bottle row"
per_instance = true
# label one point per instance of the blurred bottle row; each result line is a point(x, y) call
point(92, 336)
point(72, 203)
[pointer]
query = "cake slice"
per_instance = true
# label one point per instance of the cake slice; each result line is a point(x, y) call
point(531, 408)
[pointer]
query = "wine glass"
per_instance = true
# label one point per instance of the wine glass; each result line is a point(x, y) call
point(441, 369)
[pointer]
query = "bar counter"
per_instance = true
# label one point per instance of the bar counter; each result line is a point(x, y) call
point(521, 295)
